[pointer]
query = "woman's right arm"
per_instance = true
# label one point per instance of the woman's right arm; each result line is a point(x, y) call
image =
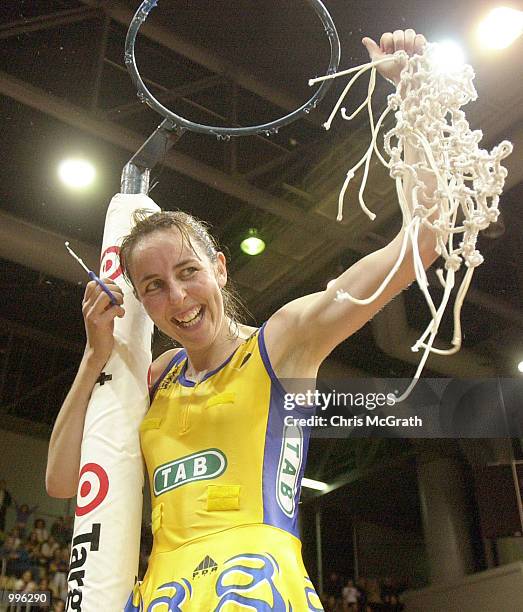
point(63, 460)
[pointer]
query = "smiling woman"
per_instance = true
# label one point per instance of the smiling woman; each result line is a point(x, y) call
point(225, 468)
point(179, 280)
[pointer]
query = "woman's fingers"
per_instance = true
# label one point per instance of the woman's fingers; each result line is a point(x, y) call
point(89, 290)
point(419, 43)
point(110, 312)
point(375, 52)
point(93, 291)
point(410, 37)
point(402, 40)
point(399, 40)
point(387, 42)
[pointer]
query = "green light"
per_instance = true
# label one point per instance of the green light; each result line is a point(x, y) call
point(253, 244)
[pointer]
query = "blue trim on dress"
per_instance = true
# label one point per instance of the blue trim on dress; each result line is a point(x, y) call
point(272, 512)
point(190, 383)
point(174, 361)
point(267, 362)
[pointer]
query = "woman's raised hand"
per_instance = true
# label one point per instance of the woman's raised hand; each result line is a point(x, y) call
point(99, 314)
point(390, 42)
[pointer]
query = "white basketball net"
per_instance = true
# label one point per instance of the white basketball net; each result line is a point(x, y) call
point(427, 105)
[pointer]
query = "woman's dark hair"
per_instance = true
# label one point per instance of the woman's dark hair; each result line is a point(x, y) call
point(190, 228)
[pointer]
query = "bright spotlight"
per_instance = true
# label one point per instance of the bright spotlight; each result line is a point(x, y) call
point(448, 56)
point(76, 173)
point(500, 28)
point(520, 366)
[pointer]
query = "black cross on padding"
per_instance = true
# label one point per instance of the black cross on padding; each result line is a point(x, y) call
point(104, 377)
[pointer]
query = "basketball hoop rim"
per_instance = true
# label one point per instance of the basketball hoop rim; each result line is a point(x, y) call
point(219, 131)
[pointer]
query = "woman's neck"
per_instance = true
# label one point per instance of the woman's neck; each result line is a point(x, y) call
point(212, 356)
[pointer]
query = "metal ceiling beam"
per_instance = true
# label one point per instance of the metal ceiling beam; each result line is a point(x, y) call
point(169, 39)
point(217, 78)
point(46, 22)
point(25, 243)
point(187, 89)
point(233, 186)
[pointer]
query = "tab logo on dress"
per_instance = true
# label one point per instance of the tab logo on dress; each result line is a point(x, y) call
point(203, 465)
point(291, 457)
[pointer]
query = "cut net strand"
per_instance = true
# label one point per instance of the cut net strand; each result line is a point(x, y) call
point(469, 180)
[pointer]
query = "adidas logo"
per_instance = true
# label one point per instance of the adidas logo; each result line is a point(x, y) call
point(207, 566)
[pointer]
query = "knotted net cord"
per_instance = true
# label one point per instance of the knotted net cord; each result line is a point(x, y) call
point(469, 180)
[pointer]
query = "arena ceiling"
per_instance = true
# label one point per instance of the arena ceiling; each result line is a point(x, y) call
point(64, 90)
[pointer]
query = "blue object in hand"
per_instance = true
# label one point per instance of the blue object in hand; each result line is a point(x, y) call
point(92, 275)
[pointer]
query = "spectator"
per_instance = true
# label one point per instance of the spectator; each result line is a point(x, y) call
point(361, 585)
point(59, 531)
point(350, 596)
point(23, 512)
point(59, 605)
point(23, 561)
point(15, 534)
point(333, 604)
point(390, 595)
point(373, 595)
point(69, 526)
point(40, 530)
point(45, 585)
point(11, 552)
point(32, 547)
point(5, 502)
point(26, 584)
point(58, 569)
point(47, 551)
point(333, 585)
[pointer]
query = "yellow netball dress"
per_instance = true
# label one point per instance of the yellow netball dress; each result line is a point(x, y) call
point(225, 475)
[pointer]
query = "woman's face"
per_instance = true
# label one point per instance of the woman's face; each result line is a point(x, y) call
point(179, 287)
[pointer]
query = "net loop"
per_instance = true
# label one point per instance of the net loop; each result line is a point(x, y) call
point(469, 180)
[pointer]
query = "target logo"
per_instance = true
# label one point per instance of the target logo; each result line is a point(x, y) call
point(110, 267)
point(92, 488)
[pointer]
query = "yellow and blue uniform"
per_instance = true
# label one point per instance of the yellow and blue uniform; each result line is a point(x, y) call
point(225, 473)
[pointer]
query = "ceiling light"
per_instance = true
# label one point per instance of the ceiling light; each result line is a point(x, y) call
point(76, 173)
point(448, 56)
point(314, 484)
point(500, 28)
point(252, 244)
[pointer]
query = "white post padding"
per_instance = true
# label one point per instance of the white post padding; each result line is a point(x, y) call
point(106, 541)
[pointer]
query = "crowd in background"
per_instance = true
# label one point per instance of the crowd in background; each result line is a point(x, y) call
point(361, 595)
point(33, 558)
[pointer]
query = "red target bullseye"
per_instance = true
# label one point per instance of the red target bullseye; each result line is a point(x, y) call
point(110, 266)
point(92, 488)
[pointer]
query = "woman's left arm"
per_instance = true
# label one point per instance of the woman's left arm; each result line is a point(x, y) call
point(317, 323)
